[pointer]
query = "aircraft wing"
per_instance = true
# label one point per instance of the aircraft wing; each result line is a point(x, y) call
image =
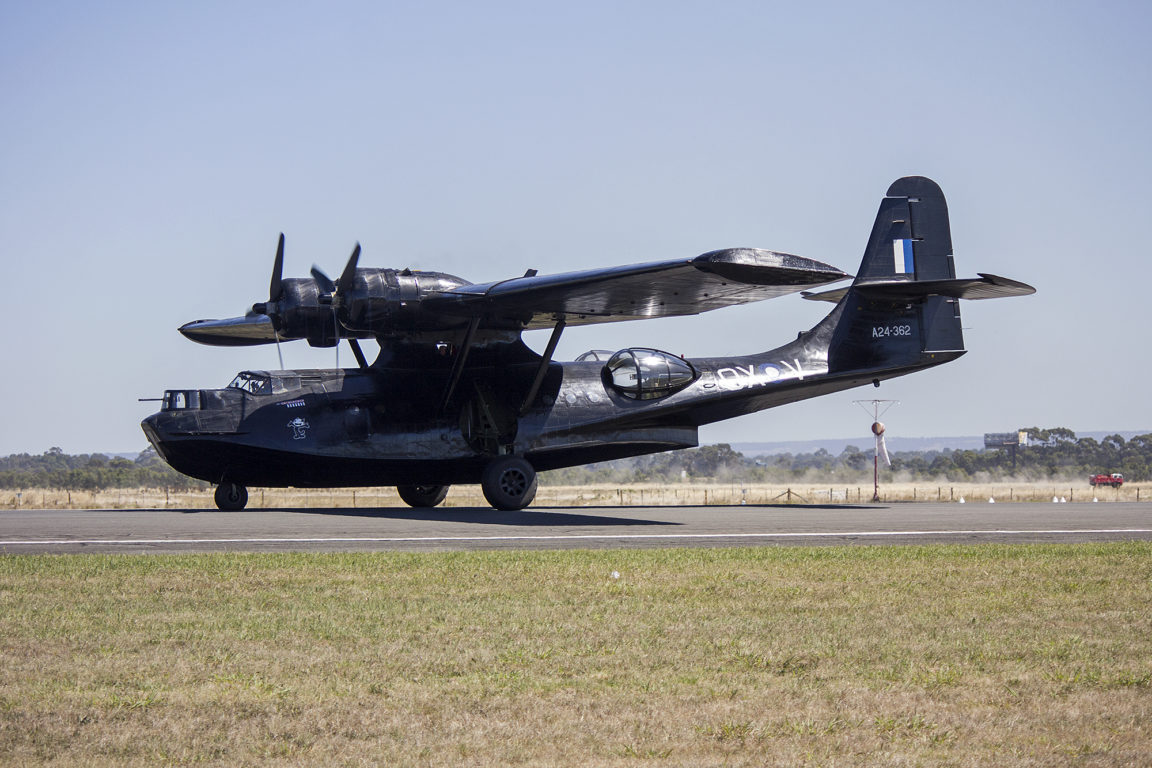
point(657, 289)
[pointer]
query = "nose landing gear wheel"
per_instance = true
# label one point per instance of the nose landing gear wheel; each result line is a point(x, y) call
point(422, 495)
point(231, 497)
point(509, 483)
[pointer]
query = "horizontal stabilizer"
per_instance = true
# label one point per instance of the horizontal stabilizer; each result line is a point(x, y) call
point(983, 287)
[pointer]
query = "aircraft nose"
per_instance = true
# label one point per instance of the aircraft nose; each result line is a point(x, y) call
point(154, 431)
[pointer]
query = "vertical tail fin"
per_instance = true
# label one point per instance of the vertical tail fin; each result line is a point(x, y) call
point(893, 316)
point(911, 239)
point(902, 312)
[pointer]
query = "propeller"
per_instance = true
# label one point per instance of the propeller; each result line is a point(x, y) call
point(299, 308)
point(335, 293)
point(276, 286)
point(348, 276)
point(317, 309)
point(323, 282)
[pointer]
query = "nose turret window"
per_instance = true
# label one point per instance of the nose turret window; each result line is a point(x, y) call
point(647, 374)
point(181, 400)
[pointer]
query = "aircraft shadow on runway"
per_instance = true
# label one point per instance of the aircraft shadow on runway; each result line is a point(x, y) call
point(536, 516)
point(482, 516)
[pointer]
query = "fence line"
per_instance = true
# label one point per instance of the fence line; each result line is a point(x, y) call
point(690, 494)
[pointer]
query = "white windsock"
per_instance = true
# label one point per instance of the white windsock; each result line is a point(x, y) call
point(881, 445)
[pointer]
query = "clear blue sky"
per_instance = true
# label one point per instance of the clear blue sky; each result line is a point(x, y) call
point(150, 153)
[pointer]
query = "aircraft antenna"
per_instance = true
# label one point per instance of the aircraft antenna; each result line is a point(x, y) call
point(878, 409)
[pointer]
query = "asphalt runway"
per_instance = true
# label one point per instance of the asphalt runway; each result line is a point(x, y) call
point(456, 528)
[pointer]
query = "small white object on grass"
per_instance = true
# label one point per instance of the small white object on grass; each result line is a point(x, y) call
point(615, 574)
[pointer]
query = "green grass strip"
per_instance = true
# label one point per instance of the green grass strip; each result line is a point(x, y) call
point(966, 655)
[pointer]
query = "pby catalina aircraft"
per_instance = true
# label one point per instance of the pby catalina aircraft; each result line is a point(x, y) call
point(455, 396)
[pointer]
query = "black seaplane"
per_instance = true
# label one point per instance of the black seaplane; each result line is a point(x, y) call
point(455, 396)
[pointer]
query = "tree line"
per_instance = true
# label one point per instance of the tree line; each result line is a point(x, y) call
point(1054, 453)
point(55, 469)
point(1051, 454)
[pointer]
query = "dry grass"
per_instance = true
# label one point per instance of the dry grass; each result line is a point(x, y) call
point(856, 656)
point(590, 495)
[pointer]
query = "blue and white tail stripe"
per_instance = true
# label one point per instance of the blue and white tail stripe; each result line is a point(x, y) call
point(904, 261)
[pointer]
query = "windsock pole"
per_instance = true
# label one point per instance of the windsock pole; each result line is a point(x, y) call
point(878, 432)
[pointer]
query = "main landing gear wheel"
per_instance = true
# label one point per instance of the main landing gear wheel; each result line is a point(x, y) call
point(231, 497)
point(422, 495)
point(509, 483)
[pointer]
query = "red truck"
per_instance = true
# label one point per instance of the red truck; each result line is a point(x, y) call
point(1115, 480)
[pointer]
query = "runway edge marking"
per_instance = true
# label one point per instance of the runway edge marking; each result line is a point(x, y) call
point(568, 537)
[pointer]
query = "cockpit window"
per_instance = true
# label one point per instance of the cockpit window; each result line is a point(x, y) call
point(595, 356)
point(252, 383)
point(282, 384)
point(646, 374)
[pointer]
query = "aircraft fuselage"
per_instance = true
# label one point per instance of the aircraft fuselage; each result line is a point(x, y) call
point(390, 426)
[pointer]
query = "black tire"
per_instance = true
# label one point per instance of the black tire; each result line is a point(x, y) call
point(422, 496)
point(509, 483)
point(231, 497)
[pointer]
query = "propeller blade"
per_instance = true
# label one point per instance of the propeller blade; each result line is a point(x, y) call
point(322, 280)
point(276, 288)
point(348, 276)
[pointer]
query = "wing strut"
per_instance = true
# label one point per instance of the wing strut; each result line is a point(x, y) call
point(356, 352)
point(545, 361)
point(458, 365)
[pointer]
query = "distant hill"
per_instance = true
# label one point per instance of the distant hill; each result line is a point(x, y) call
point(836, 446)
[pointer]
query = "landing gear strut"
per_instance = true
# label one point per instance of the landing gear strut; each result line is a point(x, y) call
point(422, 495)
point(509, 483)
point(231, 497)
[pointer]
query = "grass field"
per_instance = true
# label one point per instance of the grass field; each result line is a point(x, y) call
point(592, 495)
point(857, 656)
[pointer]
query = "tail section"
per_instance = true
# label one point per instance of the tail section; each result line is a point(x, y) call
point(902, 312)
point(911, 239)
